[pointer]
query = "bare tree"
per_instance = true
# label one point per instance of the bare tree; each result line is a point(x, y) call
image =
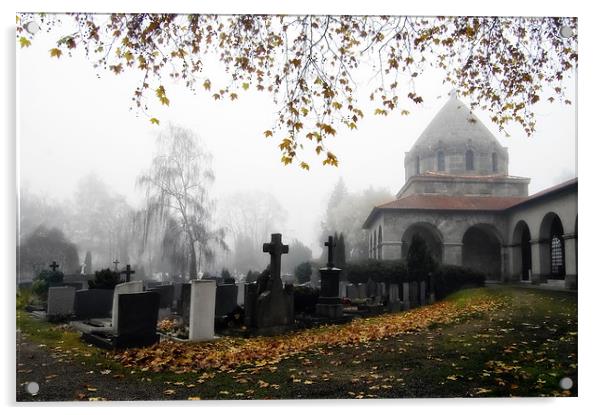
point(177, 186)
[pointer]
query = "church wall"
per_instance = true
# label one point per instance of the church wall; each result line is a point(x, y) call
point(451, 225)
point(465, 187)
point(565, 206)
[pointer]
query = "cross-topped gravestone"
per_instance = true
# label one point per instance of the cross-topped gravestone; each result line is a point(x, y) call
point(116, 262)
point(330, 245)
point(276, 249)
point(54, 265)
point(128, 271)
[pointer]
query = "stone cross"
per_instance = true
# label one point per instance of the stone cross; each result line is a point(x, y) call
point(330, 244)
point(116, 262)
point(54, 265)
point(128, 271)
point(275, 248)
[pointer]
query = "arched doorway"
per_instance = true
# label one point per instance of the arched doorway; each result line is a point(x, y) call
point(481, 251)
point(521, 241)
point(429, 233)
point(552, 246)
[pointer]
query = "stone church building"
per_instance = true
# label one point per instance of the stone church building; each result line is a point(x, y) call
point(459, 197)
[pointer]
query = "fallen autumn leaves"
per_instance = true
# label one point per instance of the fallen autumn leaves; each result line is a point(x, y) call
point(228, 353)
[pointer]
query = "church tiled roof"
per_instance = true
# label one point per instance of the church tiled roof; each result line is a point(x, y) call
point(444, 202)
point(463, 203)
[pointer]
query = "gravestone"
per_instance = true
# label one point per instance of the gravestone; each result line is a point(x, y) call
point(128, 271)
point(183, 308)
point(414, 294)
point(166, 294)
point(177, 294)
point(423, 292)
point(406, 295)
point(60, 302)
point(123, 288)
point(226, 299)
point(136, 324)
point(94, 303)
point(371, 288)
point(342, 289)
point(352, 292)
point(271, 306)
point(329, 304)
point(362, 292)
point(394, 303)
point(202, 310)
point(240, 293)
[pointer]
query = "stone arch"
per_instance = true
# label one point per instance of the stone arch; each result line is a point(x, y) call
point(521, 251)
point(481, 250)
point(551, 245)
point(431, 235)
point(379, 243)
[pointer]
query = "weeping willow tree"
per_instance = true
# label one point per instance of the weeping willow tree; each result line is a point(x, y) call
point(177, 185)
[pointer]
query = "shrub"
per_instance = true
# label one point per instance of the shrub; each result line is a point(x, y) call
point(44, 280)
point(252, 276)
point(451, 278)
point(226, 275)
point(303, 272)
point(305, 299)
point(105, 278)
point(392, 271)
point(420, 263)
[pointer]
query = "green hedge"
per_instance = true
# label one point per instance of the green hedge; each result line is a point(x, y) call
point(451, 278)
point(393, 271)
point(105, 279)
point(44, 280)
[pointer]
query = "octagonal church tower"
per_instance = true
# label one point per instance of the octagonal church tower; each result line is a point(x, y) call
point(457, 155)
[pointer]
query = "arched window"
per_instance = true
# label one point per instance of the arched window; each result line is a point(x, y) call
point(494, 162)
point(469, 160)
point(417, 164)
point(440, 161)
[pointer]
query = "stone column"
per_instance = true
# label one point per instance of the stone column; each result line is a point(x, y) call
point(202, 310)
point(570, 261)
point(452, 253)
point(536, 272)
point(505, 255)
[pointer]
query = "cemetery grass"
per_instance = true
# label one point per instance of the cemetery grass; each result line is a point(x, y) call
point(523, 348)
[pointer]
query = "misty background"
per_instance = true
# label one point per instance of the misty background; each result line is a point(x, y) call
point(81, 150)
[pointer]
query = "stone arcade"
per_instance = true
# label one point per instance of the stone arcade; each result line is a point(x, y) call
point(459, 197)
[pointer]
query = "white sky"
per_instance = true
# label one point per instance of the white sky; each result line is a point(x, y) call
point(71, 123)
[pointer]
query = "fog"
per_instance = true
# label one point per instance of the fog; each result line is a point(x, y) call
point(71, 123)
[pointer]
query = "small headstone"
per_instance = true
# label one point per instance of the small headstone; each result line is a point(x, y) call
point(61, 301)
point(406, 295)
point(362, 291)
point(136, 325)
point(329, 303)
point(342, 289)
point(240, 293)
point(202, 310)
point(394, 303)
point(225, 299)
point(352, 292)
point(123, 288)
point(94, 303)
point(183, 308)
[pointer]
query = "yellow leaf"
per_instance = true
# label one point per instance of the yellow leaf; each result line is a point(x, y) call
point(233, 96)
point(54, 52)
point(169, 392)
point(245, 86)
point(207, 84)
point(304, 165)
point(267, 133)
point(24, 42)
point(194, 398)
point(154, 121)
